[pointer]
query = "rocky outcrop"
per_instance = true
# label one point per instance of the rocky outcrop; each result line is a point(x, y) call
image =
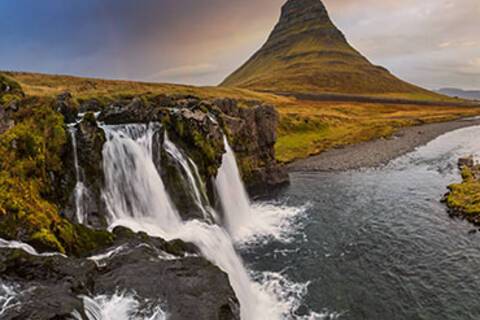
point(10, 93)
point(252, 128)
point(168, 274)
point(462, 198)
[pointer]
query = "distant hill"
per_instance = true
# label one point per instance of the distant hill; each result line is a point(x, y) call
point(306, 53)
point(460, 93)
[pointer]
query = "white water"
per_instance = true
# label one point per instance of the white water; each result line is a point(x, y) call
point(118, 307)
point(136, 198)
point(233, 197)
point(133, 187)
point(81, 192)
point(8, 295)
point(245, 222)
point(27, 248)
point(193, 177)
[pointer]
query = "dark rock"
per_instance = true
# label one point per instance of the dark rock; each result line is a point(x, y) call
point(89, 140)
point(466, 162)
point(191, 287)
point(155, 270)
point(64, 104)
point(6, 122)
point(253, 137)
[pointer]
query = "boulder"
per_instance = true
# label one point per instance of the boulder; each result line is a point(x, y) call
point(155, 271)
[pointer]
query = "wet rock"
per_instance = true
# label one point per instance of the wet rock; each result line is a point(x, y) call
point(253, 136)
point(466, 162)
point(170, 273)
point(192, 288)
point(89, 140)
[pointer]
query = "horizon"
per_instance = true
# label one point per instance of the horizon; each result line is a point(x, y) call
point(155, 43)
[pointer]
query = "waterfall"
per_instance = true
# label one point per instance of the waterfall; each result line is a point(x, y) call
point(133, 187)
point(81, 192)
point(190, 171)
point(136, 198)
point(233, 197)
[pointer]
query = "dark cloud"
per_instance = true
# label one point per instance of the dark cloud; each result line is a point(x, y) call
point(201, 41)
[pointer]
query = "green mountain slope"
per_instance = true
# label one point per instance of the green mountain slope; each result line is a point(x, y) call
point(306, 53)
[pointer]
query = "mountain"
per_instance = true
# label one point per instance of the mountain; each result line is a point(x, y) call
point(460, 93)
point(307, 53)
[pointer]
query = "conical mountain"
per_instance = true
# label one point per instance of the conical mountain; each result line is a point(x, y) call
point(307, 53)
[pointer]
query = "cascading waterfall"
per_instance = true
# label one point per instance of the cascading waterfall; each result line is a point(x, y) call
point(133, 187)
point(136, 198)
point(193, 177)
point(81, 192)
point(233, 197)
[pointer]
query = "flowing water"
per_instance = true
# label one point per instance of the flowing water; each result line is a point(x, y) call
point(378, 243)
point(120, 306)
point(136, 198)
point(80, 192)
point(368, 244)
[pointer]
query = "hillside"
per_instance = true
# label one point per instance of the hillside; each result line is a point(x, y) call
point(307, 53)
point(460, 93)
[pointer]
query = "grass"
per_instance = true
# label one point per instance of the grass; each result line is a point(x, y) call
point(464, 198)
point(306, 127)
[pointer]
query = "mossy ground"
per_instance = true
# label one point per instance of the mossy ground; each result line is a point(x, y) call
point(30, 158)
point(464, 198)
point(311, 127)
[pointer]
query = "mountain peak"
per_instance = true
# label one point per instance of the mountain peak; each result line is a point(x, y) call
point(307, 53)
point(302, 8)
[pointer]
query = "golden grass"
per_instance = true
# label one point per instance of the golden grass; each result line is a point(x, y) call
point(37, 84)
point(306, 127)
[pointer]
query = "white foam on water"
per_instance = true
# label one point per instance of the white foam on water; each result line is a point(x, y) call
point(270, 221)
point(27, 248)
point(247, 223)
point(290, 296)
point(120, 306)
point(8, 298)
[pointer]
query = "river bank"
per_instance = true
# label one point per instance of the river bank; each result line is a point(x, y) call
point(381, 151)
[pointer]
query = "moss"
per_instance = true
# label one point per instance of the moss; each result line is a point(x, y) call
point(464, 198)
point(30, 154)
point(10, 90)
point(205, 152)
point(90, 119)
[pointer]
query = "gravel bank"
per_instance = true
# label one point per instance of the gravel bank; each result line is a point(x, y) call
point(381, 151)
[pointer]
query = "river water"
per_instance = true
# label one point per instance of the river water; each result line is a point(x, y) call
point(378, 243)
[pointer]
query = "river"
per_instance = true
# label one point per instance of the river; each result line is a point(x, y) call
point(378, 243)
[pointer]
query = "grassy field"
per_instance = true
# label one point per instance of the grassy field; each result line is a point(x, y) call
point(306, 127)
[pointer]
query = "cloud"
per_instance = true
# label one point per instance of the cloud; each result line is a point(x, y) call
point(201, 41)
point(185, 71)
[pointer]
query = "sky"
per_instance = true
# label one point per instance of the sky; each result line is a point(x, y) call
point(432, 43)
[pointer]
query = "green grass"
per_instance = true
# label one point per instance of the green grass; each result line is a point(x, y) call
point(464, 198)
